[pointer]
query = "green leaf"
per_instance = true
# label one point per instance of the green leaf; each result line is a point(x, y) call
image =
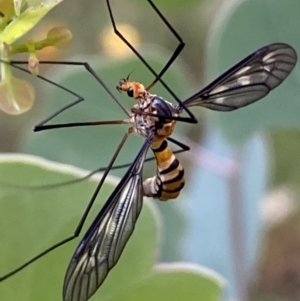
point(177, 282)
point(234, 36)
point(33, 219)
point(25, 21)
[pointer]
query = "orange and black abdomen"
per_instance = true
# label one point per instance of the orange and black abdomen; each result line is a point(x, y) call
point(169, 179)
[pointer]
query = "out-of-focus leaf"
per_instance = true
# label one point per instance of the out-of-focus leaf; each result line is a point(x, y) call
point(34, 219)
point(239, 28)
point(177, 282)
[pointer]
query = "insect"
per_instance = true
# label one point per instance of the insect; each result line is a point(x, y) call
point(154, 118)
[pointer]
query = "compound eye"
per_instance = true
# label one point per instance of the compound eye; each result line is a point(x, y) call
point(130, 92)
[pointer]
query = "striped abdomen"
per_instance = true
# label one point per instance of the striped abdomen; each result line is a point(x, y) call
point(169, 179)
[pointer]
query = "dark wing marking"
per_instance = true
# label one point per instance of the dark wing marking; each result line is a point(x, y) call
point(105, 240)
point(248, 81)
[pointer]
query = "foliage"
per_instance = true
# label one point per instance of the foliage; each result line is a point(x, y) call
point(33, 219)
point(17, 95)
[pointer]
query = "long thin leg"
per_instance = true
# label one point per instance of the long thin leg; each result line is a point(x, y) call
point(192, 118)
point(183, 148)
point(176, 52)
point(79, 124)
point(82, 220)
point(39, 128)
point(79, 98)
point(42, 125)
point(174, 55)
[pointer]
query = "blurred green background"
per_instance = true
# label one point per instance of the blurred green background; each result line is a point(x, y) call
point(238, 213)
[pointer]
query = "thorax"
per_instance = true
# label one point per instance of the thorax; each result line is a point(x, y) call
point(152, 104)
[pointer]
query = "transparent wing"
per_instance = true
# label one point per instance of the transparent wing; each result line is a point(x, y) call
point(248, 81)
point(105, 240)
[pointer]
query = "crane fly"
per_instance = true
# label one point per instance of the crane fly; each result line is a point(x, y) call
point(154, 118)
